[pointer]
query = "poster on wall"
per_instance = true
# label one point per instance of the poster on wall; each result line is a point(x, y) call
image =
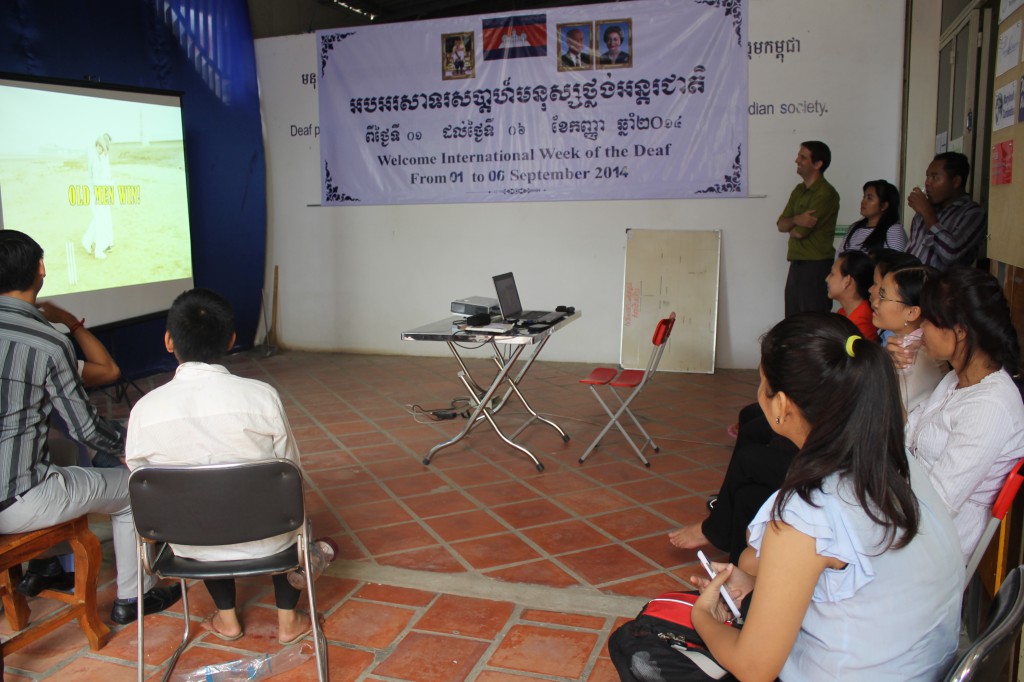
point(1004, 111)
point(642, 100)
point(1008, 51)
point(1002, 163)
point(1008, 7)
point(1020, 108)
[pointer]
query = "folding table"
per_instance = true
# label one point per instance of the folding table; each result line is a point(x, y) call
point(506, 349)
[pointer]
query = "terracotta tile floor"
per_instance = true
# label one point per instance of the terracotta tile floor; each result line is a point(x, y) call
point(477, 567)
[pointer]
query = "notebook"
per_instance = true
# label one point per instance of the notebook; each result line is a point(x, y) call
point(511, 308)
point(493, 328)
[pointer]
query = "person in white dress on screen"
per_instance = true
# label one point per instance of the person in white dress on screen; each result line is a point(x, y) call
point(99, 238)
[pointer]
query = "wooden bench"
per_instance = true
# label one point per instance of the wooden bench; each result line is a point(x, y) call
point(19, 548)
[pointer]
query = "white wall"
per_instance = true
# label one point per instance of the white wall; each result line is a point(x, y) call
point(922, 93)
point(352, 278)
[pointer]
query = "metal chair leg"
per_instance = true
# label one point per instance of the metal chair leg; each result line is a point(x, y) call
point(604, 431)
point(319, 640)
point(624, 409)
point(139, 592)
point(140, 550)
point(184, 640)
point(625, 404)
point(614, 421)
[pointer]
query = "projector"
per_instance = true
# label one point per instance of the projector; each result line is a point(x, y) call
point(475, 305)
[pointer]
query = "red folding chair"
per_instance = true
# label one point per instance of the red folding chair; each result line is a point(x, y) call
point(999, 511)
point(629, 378)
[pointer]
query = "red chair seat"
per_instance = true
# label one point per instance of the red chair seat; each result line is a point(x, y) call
point(629, 378)
point(600, 376)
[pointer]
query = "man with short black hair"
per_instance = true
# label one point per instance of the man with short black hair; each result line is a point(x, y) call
point(39, 374)
point(810, 221)
point(948, 225)
point(206, 415)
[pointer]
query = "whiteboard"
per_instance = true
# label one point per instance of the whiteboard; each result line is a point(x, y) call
point(671, 271)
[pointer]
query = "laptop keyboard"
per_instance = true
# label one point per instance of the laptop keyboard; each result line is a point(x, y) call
point(541, 316)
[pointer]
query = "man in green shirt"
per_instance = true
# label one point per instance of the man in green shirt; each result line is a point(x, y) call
point(810, 221)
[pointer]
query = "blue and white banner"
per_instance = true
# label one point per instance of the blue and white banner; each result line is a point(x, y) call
point(639, 100)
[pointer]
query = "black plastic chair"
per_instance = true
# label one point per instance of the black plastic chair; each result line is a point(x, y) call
point(220, 504)
point(988, 654)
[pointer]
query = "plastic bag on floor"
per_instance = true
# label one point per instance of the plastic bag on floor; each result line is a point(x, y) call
point(255, 668)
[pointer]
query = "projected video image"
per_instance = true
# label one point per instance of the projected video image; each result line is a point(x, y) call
point(99, 183)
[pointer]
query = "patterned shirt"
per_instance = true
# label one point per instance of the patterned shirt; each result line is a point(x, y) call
point(953, 239)
point(895, 238)
point(39, 373)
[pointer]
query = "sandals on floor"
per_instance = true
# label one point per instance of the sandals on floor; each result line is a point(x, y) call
point(308, 631)
point(297, 638)
point(209, 627)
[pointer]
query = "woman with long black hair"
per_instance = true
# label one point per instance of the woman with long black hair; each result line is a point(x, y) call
point(856, 567)
point(896, 308)
point(879, 226)
point(970, 431)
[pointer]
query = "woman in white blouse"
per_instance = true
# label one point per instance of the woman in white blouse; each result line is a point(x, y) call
point(969, 433)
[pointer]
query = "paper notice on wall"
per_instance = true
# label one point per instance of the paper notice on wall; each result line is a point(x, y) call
point(1004, 109)
point(1020, 109)
point(1002, 163)
point(1008, 7)
point(1009, 49)
point(941, 141)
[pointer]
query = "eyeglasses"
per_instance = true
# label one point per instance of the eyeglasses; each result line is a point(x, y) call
point(881, 297)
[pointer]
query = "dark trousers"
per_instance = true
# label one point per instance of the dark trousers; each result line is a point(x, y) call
point(758, 466)
point(805, 287)
point(222, 591)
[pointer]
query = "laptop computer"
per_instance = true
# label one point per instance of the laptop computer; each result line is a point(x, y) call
point(510, 306)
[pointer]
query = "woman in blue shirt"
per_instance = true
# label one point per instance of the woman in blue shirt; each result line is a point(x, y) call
point(855, 557)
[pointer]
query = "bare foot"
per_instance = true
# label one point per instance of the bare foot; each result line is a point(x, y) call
point(688, 537)
point(292, 625)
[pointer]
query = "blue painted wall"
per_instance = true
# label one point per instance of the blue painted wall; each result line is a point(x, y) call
point(203, 49)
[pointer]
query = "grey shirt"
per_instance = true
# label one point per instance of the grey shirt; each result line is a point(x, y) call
point(38, 374)
point(953, 239)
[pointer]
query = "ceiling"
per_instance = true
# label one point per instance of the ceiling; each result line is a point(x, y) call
point(289, 17)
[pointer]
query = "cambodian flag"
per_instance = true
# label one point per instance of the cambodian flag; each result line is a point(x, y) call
point(519, 36)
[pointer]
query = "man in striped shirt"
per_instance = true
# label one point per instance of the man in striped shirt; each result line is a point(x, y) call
point(39, 374)
point(948, 225)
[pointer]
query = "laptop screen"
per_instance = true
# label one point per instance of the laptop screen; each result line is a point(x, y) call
point(508, 296)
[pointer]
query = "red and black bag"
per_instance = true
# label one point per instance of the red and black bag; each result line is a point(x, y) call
point(660, 644)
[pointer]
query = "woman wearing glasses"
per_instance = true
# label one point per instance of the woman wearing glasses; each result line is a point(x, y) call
point(896, 308)
point(760, 457)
